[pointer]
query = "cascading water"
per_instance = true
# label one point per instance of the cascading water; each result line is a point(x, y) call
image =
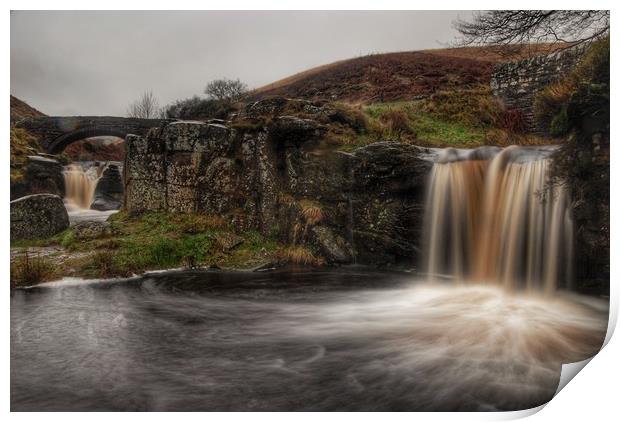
point(80, 185)
point(491, 217)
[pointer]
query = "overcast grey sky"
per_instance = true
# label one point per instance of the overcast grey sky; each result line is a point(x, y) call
point(95, 63)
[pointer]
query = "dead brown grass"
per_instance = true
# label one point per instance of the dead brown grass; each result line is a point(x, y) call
point(398, 76)
point(300, 255)
point(312, 212)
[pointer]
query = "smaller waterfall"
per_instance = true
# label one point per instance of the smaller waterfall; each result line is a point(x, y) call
point(491, 217)
point(80, 184)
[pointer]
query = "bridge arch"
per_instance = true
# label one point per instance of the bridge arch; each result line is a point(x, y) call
point(56, 132)
point(57, 145)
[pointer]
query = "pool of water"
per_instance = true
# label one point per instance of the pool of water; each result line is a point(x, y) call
point(347, 339)
point(77, 214)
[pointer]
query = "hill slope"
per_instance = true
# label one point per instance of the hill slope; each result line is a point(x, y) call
point(397, 76)
point(21, 110)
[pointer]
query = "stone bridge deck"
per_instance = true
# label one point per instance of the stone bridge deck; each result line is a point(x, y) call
point(55, 133)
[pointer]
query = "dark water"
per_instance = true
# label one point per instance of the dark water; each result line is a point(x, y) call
point(321, 340)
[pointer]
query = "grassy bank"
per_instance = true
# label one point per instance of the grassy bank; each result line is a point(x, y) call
point(460, 118)
point(135, 244)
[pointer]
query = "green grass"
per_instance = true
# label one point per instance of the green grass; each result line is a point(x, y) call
point(425, 128)
point(157, 240)
point(433, 131)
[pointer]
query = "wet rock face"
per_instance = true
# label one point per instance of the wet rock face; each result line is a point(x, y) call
point(364, 206)
point(38, 216)
point(42, 174)
point(109, 191)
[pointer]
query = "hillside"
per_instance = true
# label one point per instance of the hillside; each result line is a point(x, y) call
point(397, 76)
point(96, 149)
point(21, 110)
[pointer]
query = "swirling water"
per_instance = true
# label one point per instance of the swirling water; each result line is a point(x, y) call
point(339, 339)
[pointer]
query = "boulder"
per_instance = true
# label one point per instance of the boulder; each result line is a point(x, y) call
point(332, 246)
point(86, 230)
point(42, 174)
point(38, 216)
point(228, 241)
point(266, 107)
point(109, 191)
point(295, 130)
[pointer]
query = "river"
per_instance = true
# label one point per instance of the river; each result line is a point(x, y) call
point(334, 339)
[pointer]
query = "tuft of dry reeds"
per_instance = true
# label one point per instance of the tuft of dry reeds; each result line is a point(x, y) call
point(29, 270)
point(300, 255)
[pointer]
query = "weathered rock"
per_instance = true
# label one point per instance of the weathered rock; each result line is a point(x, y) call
point(371, 200)
point(333, 247)
point(86, 230)
point(38, 216)
point(228, 241)
point(390, 167)
point(266, 107)
point(42, 174)
point(291, 129)
point(109, 190)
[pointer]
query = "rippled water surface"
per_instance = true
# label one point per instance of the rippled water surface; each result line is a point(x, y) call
point(321, 340)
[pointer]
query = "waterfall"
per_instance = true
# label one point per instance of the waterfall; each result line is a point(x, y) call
point(80, 184)
point(491, 217)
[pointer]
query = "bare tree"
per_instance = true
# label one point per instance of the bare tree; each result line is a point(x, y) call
point(519, 27)
point(145, 107)
point(226, 89)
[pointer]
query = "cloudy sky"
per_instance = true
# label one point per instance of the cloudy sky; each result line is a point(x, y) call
point(95, 63)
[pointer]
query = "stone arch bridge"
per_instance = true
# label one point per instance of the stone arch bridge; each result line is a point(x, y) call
point(55, 133)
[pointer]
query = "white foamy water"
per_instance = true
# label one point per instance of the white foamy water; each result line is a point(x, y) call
point(77, 214)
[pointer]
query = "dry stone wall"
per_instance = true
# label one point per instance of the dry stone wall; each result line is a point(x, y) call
point(516, 83)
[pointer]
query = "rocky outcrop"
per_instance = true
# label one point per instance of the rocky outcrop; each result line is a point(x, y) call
point(42, 174)
point(38, 216)
point(276, 177)
point(109, 190)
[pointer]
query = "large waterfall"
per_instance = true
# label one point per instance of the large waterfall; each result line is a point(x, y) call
point(80, 184)
point(492, 217)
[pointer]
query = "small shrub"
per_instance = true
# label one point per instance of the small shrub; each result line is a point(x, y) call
point(560, 124)
point(512, 121)
point(551, 100)
point(226, 89)
point(67, 239)
point(164, 252)
point(397, 122)
point(349, 116)
point(28, 270)
point(476, 107)
point(190, 262)
point(196, 108)
point(583, 92)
